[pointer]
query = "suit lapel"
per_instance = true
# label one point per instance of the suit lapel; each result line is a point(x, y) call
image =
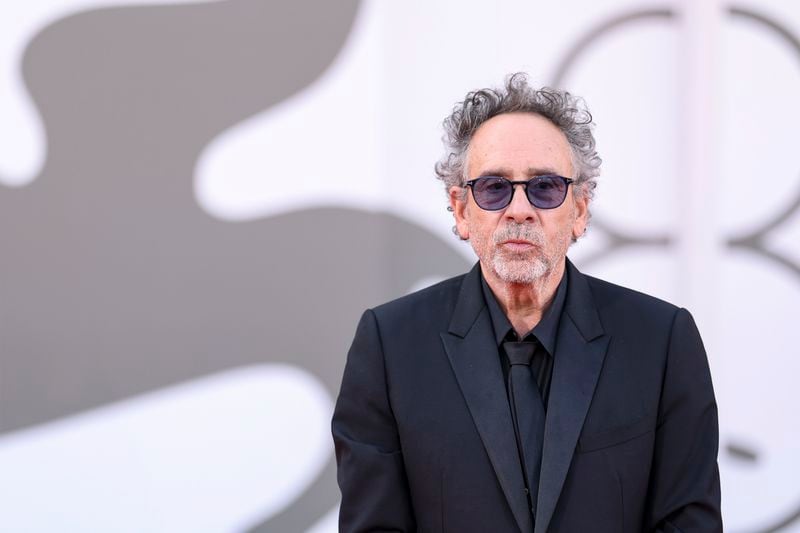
point(470, 346)
point(580, 349)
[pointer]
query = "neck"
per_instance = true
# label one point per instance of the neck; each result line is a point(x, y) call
point(524, 303)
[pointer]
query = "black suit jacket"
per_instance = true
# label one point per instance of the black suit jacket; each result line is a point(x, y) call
point(423, 432)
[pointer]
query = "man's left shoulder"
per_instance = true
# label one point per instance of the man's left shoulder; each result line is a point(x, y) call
point(614, 300)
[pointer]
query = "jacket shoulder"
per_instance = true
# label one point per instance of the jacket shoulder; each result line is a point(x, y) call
point(438, 299)
point(612, 299)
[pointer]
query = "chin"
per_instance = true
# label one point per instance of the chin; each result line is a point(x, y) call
point(521, 271)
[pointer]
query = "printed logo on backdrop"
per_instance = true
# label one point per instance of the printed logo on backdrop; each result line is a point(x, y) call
point(115, 284)
point(762, 476)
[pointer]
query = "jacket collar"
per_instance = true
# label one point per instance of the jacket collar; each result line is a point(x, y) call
point(580, 350)
point(469, 304)
point(579, 305)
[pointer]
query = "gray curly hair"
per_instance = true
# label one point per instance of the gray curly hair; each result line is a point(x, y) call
point(564, 110)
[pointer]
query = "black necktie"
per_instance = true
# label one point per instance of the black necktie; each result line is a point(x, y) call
point(527, 410)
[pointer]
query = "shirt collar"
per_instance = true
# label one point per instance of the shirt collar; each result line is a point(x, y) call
point(547, 328)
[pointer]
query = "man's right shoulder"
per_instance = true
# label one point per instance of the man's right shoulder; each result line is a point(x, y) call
point(438, 299)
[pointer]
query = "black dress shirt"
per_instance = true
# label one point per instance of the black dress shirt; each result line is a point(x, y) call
point(545, 332)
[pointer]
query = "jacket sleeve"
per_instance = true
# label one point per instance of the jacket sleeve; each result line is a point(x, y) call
point(684, 492)
point(371, 473)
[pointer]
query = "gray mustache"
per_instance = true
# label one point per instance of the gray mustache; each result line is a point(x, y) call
point(525, 232)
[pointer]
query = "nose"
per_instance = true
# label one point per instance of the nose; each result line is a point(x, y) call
point(520, 209)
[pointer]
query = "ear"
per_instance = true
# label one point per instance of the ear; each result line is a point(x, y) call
point(458, 204)
point(581, 216)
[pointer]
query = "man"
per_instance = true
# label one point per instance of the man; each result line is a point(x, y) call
point(524, 395)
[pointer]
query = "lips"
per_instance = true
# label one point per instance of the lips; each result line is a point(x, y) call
point(517, 245)
point(518, 237)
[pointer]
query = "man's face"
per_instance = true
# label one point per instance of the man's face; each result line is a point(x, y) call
point(519, 244)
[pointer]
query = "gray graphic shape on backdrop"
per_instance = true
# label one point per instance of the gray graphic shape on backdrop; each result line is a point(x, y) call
point(753, 241)
point(115, 282)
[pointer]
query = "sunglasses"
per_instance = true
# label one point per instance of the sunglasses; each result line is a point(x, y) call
point(493, 193)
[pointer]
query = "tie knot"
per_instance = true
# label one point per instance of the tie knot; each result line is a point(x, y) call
point(520, 353)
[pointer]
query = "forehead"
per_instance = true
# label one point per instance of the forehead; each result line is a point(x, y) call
point(519, 143)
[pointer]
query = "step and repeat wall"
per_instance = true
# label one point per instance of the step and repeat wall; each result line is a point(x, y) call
point(199, 198)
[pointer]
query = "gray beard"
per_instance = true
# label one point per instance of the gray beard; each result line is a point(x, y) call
point(522, 268)
point(527, 271)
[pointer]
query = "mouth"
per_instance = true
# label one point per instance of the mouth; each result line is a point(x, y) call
point(517, 245)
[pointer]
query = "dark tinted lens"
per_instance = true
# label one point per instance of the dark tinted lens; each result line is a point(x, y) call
point(492, 193)
point(547, 192)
